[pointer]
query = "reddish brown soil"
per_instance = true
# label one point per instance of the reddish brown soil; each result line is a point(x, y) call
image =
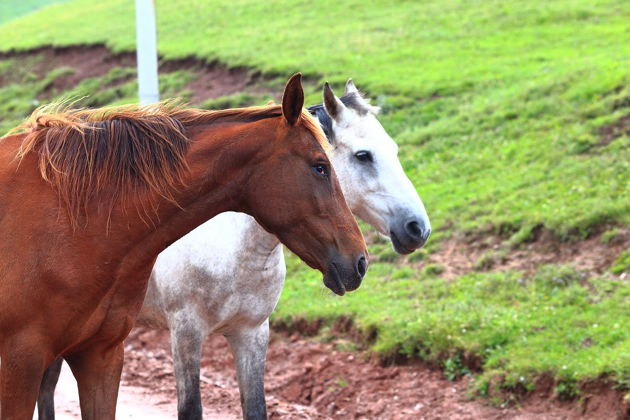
point(308, 379)
point(85, 61)
point(212, 80)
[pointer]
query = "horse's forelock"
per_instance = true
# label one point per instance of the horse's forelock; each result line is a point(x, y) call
point(316, 130)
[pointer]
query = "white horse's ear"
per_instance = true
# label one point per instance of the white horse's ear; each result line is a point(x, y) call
point(350, 87)
point(334, 107)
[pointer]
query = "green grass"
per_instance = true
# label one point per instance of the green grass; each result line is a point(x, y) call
point(11, 9)
point(498, 108)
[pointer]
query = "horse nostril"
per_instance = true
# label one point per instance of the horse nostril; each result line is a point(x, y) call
point(414, 230)
point(426, 235)
point(362, 266)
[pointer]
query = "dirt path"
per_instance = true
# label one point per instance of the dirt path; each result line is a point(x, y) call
point(310, 380)
point(134, 403)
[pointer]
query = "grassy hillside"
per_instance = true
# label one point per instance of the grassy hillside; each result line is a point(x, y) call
point(505, 113)
point(10, 9)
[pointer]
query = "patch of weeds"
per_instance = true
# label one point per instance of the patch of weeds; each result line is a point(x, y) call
point(403, 273)
point(523, 235)
point(90, 92)
point(482, 388)
point(621, 263)
point(433, 269)
point(418, 255)
point(454, 368)
point(7, 67)
point(554, 276)
point(172, 84)
point(583, 143)
point(611, 236)
point(50, 77)
point(20, 97)
point(388, 255)
point(118, 74)
point(341, 344)
point(567, 390)
point(341, 382)
point(490, 258)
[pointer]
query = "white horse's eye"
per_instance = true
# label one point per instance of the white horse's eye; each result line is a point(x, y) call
point(364, 156)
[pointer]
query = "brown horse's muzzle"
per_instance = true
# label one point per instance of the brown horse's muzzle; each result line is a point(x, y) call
point(342, 276)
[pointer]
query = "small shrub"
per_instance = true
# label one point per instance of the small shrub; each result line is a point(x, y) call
point(454, 368)
point(622, 263)
point(489, 259)
point(403, 273)
point(554, 276)
point(388, 255)
point(567, 390)
point(418, 255)
point(433, 269)
point(611, 236)
point(523, 235)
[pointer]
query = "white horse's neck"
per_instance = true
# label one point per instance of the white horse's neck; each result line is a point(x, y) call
point(265, 242)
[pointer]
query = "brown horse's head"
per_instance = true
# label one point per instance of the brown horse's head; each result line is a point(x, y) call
point(316, 222)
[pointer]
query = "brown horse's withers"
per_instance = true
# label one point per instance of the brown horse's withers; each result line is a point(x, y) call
point(88, 199)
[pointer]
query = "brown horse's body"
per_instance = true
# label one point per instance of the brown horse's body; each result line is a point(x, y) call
point(75, 257)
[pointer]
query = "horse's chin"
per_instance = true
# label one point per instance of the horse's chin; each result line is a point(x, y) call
point(332, 280)
point(399, 247)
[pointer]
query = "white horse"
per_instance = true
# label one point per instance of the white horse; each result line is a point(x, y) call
point(226, 276)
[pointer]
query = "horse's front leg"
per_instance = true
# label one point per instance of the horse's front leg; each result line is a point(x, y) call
point(46, 399)
point(97, 371)
point(22, 367)
point(186, 342)
point(249, 346)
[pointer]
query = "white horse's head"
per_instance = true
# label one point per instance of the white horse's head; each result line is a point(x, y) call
point(373, 181)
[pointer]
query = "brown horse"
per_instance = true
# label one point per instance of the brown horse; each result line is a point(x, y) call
point(89, 198)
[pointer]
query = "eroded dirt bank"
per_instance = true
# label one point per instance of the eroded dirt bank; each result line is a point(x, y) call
point(308, 379)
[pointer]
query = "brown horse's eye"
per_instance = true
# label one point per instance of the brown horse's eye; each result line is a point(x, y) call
point(322, 169)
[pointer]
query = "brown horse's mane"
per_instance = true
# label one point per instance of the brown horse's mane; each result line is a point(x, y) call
point(122, 150)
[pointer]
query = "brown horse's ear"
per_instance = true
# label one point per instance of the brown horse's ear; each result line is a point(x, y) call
point(293, 99)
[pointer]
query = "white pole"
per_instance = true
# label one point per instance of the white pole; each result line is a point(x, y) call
point(146, 52)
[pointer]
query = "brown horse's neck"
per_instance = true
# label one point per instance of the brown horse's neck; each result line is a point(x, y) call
point(219, 159)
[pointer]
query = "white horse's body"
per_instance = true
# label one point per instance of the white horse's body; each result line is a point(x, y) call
point(185, 279)
point(226, 276)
